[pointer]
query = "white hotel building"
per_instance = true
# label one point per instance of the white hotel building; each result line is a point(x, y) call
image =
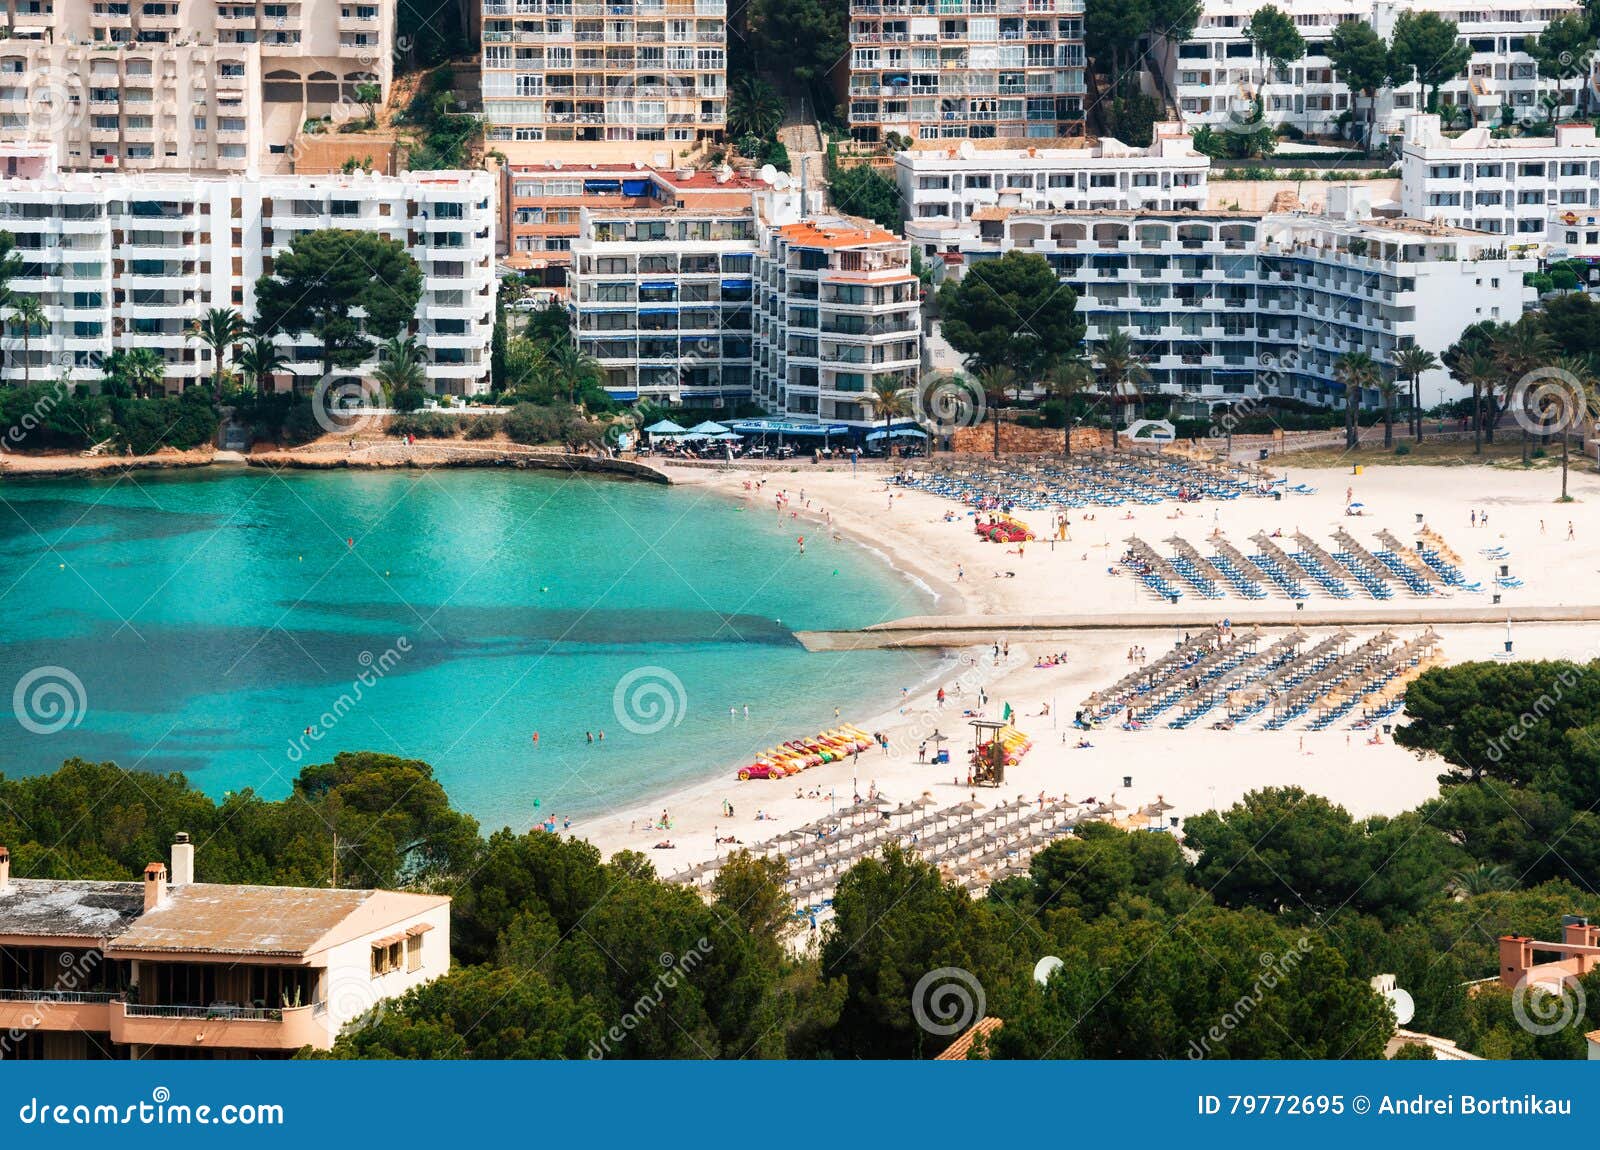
point(1228, 305)
point(122, 262)
point(1214, 74)
point(718, 307)
point(185, 85)
point(1542, 194)
point(948, 184)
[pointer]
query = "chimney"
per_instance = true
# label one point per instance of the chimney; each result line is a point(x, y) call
point(5, 871)
point(182, 859)
point(155, 887)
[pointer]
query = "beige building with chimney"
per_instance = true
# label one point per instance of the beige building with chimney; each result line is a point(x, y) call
point(193, 85)
point(173, 968)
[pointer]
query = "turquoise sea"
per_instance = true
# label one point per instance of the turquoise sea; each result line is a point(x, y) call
point(201, 622)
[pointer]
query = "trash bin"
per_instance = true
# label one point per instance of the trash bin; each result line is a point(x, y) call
point(1263, 455)
point(1358, 469)
point(1497, 599)
point(1277, 497)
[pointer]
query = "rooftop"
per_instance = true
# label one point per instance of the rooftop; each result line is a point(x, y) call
point(59, 908)
point(836, 232)
point(218, 918)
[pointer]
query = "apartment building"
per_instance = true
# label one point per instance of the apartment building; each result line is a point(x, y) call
point(1541, 193)
point(799, 313)
point(837, 311)
point(542, 204)
point(966, 69)
point(1228, 305)
point(190, 85)
point(122, 261)
point(173, 968)
point(950, 183)
point(622, 80)
point(1214, 75)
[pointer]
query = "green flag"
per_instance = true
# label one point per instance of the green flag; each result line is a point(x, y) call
point(1005, 715)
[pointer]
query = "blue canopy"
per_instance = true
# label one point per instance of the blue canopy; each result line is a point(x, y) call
point(664, 427)
point(897, 433)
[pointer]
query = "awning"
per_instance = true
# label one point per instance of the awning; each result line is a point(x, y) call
point(658, 311)
point(636, 187)
point(897, 433)
point(602, 185)
point(785, 427)
point(626, 394)
point(668, 285)
point(736, 283)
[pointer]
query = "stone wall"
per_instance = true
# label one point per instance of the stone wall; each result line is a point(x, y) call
point(1015, 440)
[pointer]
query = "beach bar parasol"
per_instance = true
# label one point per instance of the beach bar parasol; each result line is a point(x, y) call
point(664, 427)
point(706, 430)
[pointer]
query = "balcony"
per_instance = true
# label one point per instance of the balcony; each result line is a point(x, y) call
point(219, 1027)
point(55, 1010)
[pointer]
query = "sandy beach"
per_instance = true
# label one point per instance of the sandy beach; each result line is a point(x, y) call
point(1194, 769)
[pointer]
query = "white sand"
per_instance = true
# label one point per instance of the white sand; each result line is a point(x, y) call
point(1194, 769)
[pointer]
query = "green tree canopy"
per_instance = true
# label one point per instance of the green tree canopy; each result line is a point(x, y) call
point(325, 278)
point(1011, 312)
point(1427, 48)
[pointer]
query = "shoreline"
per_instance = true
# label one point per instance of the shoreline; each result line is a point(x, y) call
point(1194, 769)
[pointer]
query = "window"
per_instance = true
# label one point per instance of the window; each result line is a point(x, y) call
point(387, 956)
point(413, 952)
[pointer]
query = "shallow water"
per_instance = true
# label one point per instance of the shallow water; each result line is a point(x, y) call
point(211, 618)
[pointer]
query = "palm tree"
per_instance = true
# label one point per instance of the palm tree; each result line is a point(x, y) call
point(219, 329)
point(1519, 349)
point(996, 380)
point(402, 366)
point(1388, 388)
point(28, 313)
point(139, 370)
point(1120, 367)
point(574, 369)
point(1356, 371)
point(1067, 379)
point(1485, 878)
point(754, 109)
point(1575, 404)
point(259, 360)
point(1481, 372)
point(889, 400)
point(1411, 362)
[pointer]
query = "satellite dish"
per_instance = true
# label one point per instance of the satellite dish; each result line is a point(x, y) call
point(783, 183)
point(556, 164)
point(1045, 967)
point(966, 149)
point(724, 174)
point(768, 174)
point(637, 166)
